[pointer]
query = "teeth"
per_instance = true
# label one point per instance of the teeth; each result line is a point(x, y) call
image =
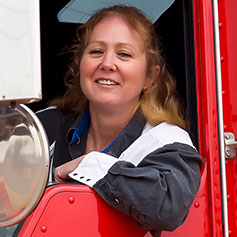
point(106, 82)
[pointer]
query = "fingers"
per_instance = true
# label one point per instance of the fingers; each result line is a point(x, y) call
point(61, 172)
point(60, 176)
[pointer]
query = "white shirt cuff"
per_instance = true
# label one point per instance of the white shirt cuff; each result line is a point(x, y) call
point(93, 167)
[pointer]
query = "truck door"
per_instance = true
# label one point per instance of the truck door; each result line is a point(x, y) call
point(228, 51)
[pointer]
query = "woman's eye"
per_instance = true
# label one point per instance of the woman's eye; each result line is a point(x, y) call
point(96, 52)
point(124, 55)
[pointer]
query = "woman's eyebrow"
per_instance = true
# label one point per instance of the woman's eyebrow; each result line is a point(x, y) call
point(118, 44)
point(127, 45)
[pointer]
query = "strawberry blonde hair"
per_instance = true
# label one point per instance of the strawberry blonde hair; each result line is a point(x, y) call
point(160, 103)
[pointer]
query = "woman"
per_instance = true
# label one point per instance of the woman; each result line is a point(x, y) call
point(119, 127)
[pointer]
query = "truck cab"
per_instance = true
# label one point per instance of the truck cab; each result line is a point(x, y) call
point(198, 39)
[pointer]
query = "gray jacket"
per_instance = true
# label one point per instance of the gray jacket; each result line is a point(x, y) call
point(149, 173)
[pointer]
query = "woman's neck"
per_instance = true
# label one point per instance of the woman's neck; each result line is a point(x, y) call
point(105, 127)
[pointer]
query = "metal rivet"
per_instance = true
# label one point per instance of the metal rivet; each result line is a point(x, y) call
point(116, 200)
point(43, 228)
point(71, 200)
point(196, 204)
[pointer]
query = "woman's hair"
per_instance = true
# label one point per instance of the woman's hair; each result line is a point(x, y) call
point(160, 103)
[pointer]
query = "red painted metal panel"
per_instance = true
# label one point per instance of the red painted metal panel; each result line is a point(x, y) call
point(228, 40)
point(75, 210)
point(207, 109)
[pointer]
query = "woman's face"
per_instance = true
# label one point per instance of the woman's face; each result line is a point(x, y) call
point(113, 66)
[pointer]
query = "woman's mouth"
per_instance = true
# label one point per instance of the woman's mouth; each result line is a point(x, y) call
point(106, 82)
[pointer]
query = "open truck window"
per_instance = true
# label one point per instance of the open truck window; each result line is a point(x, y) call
point(175, 31)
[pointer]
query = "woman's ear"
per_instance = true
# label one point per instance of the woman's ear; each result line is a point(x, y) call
point(155, 71)
point(152, 76)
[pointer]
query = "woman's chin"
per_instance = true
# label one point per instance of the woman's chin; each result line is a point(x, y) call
point(105, 100)
point(112, 106)
point(105, 104)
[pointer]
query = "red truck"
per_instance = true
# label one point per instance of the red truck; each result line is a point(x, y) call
point(199, 39)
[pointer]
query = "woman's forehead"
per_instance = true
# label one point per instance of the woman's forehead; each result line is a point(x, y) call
point(118, 29)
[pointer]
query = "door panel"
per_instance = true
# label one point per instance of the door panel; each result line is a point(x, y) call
point(228, 50)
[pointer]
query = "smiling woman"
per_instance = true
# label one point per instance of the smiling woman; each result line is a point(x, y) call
point(119, 128)
point(113, 67)
point(144, 46)
point(174, 28)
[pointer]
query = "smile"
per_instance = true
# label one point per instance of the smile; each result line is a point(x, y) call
point(106, 82)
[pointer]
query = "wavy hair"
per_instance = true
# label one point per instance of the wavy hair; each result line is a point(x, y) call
point(160, 103)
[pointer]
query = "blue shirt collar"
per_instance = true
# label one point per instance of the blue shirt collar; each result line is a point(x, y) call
point(82, 129)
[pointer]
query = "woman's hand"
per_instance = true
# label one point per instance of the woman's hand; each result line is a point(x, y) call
point(61, 172)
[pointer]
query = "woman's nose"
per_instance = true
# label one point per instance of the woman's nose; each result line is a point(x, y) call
point(108, 63)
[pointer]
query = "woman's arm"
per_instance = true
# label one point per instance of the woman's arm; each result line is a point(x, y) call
point(154, 180)
point(157, 192)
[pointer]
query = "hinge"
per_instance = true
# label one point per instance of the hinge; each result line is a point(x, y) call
point(230, 145)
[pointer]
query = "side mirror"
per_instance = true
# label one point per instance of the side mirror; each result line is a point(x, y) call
point(24, 163)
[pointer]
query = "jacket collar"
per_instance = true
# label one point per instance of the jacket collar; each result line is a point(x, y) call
point(78, 131)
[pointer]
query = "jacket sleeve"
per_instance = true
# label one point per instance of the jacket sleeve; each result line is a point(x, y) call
point(159, 191)
point(156, 189)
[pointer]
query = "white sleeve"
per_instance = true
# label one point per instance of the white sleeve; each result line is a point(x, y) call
point(93, 167)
